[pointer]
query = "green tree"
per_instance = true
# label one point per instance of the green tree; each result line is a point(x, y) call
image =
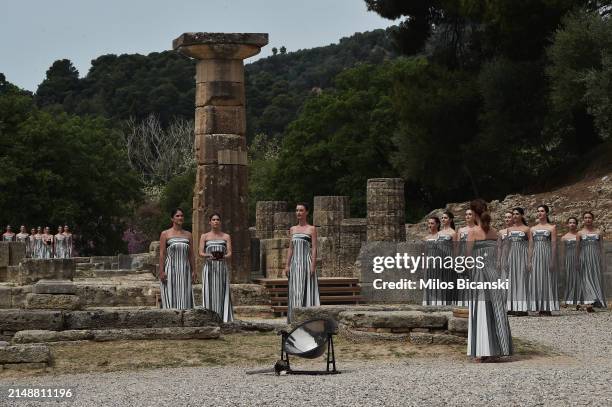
point(60, 83)
point(580, 73)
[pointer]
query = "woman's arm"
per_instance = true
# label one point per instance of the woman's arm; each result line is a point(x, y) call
point(201, 250)
point(313, 265)
point(162, 256)
point(229, 247)
point(577, 265)
point(289, 254)
point(194, 275)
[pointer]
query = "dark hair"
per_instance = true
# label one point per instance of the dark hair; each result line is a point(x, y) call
point(174, 211)
point(304, 204)
point(214, 214)
point(546, 209)
point(522, 212)
point(485, 221)
point(479, 207)
point(572, 217)
point(436, 219)
point(588, 213)
point(451, 217)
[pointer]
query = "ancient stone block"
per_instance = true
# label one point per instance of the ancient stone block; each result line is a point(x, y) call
point(353, 233)
point(42, 336)
point(6, 297)
point(17, 252)
point(52, 301)
point(21, 367)
point(219, 93)
point(220, 120)
point(386, 205)
point(282, 223)
point(24, 354)
point(458, 325)
point(19, 320)
point(32, 270)
point(5, 254)
point(225, 149)
point(199, 317)
point(393, 319)
point(201, 332)
point(54, 287)
point(419, 338)
point(220, 70)
point(264, 217)
point(249, 294)
point(143, 318)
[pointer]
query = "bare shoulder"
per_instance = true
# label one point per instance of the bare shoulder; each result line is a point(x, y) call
point(312, 229)
point(226, 236)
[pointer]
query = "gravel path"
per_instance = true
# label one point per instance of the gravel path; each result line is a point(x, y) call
point(580, 375)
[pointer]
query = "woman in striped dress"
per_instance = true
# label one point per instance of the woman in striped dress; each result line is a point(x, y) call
point(59, 241)
point(461, 237)
point(489, 333)
point(517, 261)
point(301, 268)
point(37, 244)
point(176, 264)
point(67, 242)
point(433, 268)
point(32, 244)
point(543, 295)
point(8, 236)
point(446, 239)
point(47, 244)
point(216, 249)
point(22, 237)
point(573, 290)
point(589, 246)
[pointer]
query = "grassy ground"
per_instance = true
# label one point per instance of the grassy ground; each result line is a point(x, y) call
point(248, 350)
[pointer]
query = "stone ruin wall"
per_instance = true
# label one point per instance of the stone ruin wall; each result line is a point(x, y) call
point(340, 237)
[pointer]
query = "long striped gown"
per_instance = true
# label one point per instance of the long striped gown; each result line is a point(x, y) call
point(488, 327)
point(46, 250)
point(303, 285)
point(573, 290)
point(37, 247)
point(591, 270)
point(463, 296)
point(60, 242)
point(216, 293)
point(543, 294)
point(177, 291)
point(23, 238)
point(433, 271)
point(518, 278)
point(68, 246)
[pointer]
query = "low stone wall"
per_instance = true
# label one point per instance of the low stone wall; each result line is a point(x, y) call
point(11, 254)
point(13, 320)
point(417, 324)
point(24, 357)
point(30, 271)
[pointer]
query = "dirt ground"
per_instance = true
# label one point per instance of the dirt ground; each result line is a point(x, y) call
point(248, 350)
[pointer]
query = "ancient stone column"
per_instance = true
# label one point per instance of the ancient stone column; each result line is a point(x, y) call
point(220, 143)
point(264, 217)
point(282, 223)
point(329, 211)
point(353, 232)
point(386, 206)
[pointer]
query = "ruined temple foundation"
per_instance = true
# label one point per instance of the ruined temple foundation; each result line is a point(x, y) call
point(220, 143)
